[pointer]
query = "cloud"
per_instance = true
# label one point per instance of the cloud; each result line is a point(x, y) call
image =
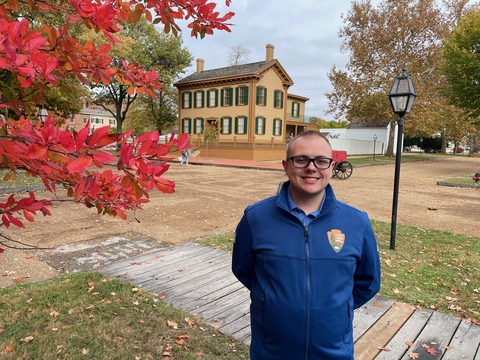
point(304, 33)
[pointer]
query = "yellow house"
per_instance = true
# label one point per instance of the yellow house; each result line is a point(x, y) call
point(248, 105)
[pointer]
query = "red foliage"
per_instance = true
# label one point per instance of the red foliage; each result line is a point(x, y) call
point(34, 55)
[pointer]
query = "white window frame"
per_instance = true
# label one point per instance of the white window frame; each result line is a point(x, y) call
point(212, 97)
point(276, 127)
point(199, 99)
point(241, 125)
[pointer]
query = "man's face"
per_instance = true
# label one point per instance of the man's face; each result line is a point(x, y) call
point(309, 181)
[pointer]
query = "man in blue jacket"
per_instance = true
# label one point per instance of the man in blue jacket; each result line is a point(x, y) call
point(308, 260)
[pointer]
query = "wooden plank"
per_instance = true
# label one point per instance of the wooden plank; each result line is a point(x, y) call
point(368, 315)
point(176, 273)
point(438, 333)
point(214, 308)
point(167, 256)
point(200, 293)
point(367, 347)
point(465, 343)
point(409, 332)
point(244, 335)
point(240, 329)
point(217, 295)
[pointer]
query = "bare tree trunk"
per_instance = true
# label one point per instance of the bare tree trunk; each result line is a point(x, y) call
point(391, 137)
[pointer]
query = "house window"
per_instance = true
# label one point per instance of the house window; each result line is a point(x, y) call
point(227, 97)
point(199, 99)
point(84, 120)
point(199, 126)
point(241, 125)
point(186, 100)
point(226, 125)
point(186, 126)
point(212, 98)
point(278, 99)
point(260, 126)
point(295, 109)
point(72, 120)
point(241, 95)
point(261, 96)
point(277, 127)
point(111, 121)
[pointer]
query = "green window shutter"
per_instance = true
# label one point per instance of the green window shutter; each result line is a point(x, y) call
point(275, 98)
point(216, 97)
point(183, 123)
point(265, 97)
point(190, 99)
point(203, 98)
point(264, 125)
point(245, 124)
point(236, 96)
point(222, 94)
point(195, 99)
point(281, 127)
point(281, 104)
point(258, 95)
point(256, 125)
point(183, 102)
point(293, 107)
point(190, 126)
point(203, 126)
point(246, 95)
point(221, 126)
point(208, 98)
point(229, 125)
point(236, 125)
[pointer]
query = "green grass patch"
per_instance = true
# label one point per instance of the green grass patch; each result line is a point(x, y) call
point(18, 180)
point(89, 315)
point(428, 268)
point(463, 180)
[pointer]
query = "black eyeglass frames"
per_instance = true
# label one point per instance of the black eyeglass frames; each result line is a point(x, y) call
point(321, 163)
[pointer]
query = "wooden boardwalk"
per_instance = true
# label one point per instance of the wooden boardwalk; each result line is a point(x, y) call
point(198, 280)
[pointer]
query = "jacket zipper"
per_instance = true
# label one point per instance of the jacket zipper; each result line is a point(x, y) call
point(308, 291)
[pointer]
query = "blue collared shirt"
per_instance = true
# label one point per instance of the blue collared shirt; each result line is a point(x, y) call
point(299, 213)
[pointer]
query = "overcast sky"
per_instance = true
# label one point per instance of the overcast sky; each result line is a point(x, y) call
point(304, 33)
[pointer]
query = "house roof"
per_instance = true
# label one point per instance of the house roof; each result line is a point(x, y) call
point(255, 69)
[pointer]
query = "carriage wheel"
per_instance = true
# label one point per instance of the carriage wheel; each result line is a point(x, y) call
point(343, 170)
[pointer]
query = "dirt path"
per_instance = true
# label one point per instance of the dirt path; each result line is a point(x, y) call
point(210, 200)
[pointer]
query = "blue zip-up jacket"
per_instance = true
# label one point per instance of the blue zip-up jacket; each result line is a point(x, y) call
point(305, 282)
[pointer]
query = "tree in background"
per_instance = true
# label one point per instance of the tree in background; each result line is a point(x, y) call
point(332, 124)
point(35, 57)
point(143, 44)
point(238, 55)
point(462, 68)
point(210, 134)
point(380, 41)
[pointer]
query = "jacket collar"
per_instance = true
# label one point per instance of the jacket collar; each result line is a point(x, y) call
point(329, 204)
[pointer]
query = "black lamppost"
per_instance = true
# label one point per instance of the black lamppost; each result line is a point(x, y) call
point(42, 115)
point(402, 96)
point(374, 143)
point(421, 145)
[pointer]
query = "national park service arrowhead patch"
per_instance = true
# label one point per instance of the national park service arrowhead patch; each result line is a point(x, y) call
point(336, 239)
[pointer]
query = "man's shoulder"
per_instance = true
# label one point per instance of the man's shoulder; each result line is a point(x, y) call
point(262, 204)
point(351, 209)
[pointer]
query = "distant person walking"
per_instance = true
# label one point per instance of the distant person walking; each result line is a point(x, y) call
point(184, 155)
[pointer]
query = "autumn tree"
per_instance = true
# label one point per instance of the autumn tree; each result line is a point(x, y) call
point(238, 55)
point(143, 44)
point(34, 57)
point(380, 41)
point(462, 67)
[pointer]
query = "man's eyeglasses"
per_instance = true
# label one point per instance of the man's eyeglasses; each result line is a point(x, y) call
point(321, 163)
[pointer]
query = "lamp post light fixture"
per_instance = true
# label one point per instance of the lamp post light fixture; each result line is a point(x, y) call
point(374, 143)
point(421, 145)
point(402, 96)
point(42, 115)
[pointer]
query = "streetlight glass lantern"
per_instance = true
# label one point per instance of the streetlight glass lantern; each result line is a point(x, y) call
point(43, 114)
point(402, 94)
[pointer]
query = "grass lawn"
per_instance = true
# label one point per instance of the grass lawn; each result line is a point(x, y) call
point(88, 315)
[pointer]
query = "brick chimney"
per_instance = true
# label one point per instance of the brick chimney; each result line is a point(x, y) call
point(200, 65)
point(270, 49)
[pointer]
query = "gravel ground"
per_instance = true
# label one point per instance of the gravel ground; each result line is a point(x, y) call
point(210, 200)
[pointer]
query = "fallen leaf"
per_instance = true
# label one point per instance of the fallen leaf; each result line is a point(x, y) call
point(9, 348)
point(413, 355)
point(85, 351)
point(383, 349)
point(432, 351)
point(377, 304)
point(172, 324)
point(54, 313)
point(409, 343)
point(27, 339)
